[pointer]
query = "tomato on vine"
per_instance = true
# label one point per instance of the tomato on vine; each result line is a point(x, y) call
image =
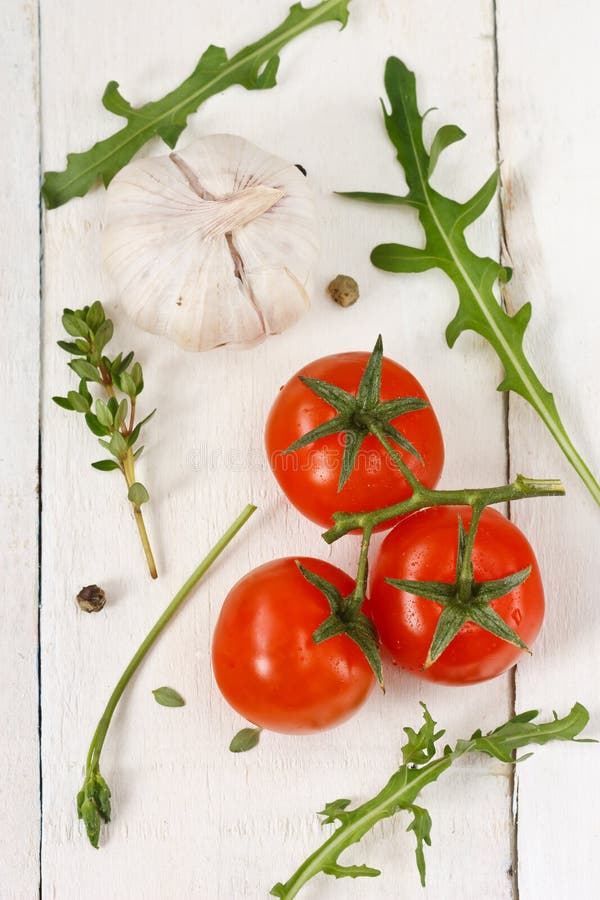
point(289, 649)
point(328, 428)
point(452, 604)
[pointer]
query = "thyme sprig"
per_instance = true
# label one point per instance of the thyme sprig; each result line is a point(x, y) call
point(113, 419)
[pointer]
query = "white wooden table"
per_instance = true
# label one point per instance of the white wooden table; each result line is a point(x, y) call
point(191, 819)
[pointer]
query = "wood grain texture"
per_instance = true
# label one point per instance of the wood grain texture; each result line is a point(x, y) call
point(548, 125)
point(190, 819)
point(19, 365)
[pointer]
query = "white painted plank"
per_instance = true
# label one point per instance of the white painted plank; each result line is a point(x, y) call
point(550, 125)
point(19, 375)
point(190, 819)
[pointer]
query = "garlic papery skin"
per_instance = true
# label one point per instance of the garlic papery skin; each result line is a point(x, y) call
point(212, 245)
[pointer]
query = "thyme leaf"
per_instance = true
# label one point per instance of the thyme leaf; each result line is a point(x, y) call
point(423, 764)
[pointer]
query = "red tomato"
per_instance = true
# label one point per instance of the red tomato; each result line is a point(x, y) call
point(424, 548)
point(309, 476)
point(265, 661)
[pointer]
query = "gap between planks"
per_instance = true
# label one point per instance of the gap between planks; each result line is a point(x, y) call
point(504, 259)
point(39, 446)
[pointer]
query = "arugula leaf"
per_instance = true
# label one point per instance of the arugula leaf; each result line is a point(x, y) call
point(422, 765)
point(255, 68)
point(351, 871)
point(444, 222)
point(334, 811)
point(421, 825)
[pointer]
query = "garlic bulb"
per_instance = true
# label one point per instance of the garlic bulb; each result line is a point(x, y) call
point(212, 245)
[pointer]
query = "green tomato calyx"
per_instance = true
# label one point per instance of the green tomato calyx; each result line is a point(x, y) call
point(360, 414)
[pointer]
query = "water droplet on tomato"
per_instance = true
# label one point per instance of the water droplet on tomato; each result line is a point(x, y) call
point(517, 616)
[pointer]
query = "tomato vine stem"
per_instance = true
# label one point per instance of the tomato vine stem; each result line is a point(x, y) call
point(464, 599)
point(521, 488)
point(422, 497)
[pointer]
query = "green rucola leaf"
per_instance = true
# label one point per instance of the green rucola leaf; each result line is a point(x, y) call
point(166, 696)
point(106, 465)
point(63, 402)
point(444, 223)
point(376, 197)
point(448, 134)
point(104, 414)
point(422, 765)
point(521, 730)
point(351, 871)
point(254, 67)
point(138, 494)
point(85, 370)
point(334, 811)
point(421, 825)
point(419, 747)
point(245, 740)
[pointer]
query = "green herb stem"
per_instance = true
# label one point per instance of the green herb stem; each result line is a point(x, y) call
point(97, 743)
point(129, 473)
